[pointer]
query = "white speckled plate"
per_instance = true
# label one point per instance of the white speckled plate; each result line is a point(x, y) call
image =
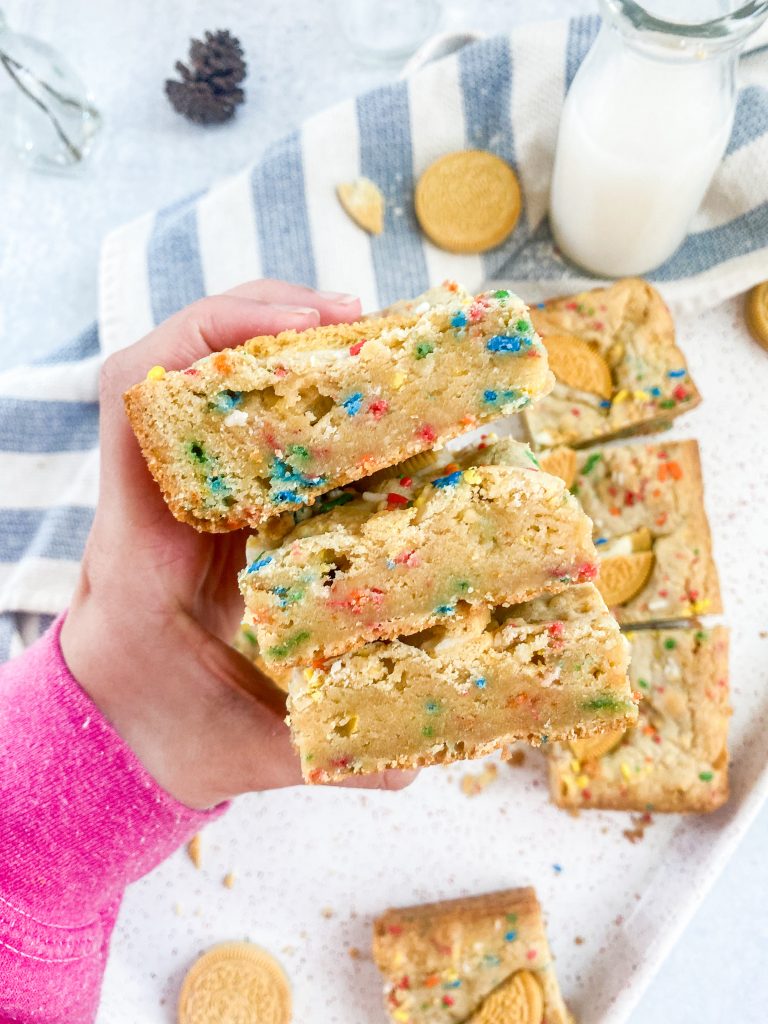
point(313, 867)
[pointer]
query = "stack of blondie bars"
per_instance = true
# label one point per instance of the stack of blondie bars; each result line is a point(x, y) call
point(419, 606)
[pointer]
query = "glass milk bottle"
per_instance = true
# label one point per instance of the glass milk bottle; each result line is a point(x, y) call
point(644, 126)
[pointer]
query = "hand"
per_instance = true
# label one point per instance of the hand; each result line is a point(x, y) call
point(157, 604)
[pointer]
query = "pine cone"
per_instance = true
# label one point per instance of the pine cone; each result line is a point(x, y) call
point(209, 92)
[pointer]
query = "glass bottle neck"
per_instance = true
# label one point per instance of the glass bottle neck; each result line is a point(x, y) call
point(684, 31)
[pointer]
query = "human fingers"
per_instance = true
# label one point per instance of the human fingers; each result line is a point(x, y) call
point(333, 307)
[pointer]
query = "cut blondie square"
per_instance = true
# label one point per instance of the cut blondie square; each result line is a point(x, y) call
point(477, 960)
point(249, 432)
point(650, 527)
point(551, 668)
point(676, 757)
point(617, 366)
point(400, 558)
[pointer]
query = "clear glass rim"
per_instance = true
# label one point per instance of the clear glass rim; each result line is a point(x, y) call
point(736, 24)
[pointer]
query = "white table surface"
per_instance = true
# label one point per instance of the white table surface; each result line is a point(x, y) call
point(50, 229)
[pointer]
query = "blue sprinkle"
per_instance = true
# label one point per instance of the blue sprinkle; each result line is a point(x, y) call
point(655, 392)
point(557, 868)
point(289, 497)
point(452, 984)
point(432, 707)
point(490, 396)
point(676, 373)
point(353, 403)
point(544, 739)
point(284, 471)
point(445, 609)
point(391, 563)
point(605, 404)
point(502, 343)
point(491, 960)
point(226, 400)
point(219, 485)
point(459, 320)
point(601, 540)
point(481, 683)
point(539, 305)
point(510, 936)
point(451, 480)
point(259, 564)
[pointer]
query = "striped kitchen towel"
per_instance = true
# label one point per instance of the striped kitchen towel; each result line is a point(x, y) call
point(280, 218)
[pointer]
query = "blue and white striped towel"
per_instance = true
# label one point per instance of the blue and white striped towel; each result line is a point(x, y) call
point(280, 218)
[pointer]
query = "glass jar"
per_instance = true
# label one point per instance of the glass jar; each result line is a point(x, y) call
point(387, 30)
point(644, 127)
point(47, 113)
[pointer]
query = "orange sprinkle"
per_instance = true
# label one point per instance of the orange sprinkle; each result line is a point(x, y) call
point(432, 980)
point(468, 421)
point(615, 511)
point(661, 519)
point(221, 362)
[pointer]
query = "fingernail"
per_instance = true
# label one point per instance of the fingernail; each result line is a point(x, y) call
point(341, 298)
point(295, 310)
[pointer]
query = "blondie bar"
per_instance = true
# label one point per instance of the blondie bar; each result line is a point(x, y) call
point(480, 960)
point(551, 668)
point(650, 527)
point(249, 432)
point(676, 757)
point(403, 556)
point(617, 366)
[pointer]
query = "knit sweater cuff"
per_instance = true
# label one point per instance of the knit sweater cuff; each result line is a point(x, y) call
point(82, 817)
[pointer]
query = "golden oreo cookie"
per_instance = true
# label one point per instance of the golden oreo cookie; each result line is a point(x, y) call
point(756, 313)
point(575, 363)
point(622, 577)
point(518, 1000)
point(589, 748)
point(363, 201)
point(560, 462)
point(468, 201)
point(233, 982)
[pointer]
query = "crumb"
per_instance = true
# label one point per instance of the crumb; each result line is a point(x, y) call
point(640, 823)
point(288, 950)
point(579, 940)
point(763, 634)
point(228, 881)
point(516, 759)
point(354, 953)
point(327, 912)
point(178, 910)
point(194, 850)
point(472, 785)
point(574, 812)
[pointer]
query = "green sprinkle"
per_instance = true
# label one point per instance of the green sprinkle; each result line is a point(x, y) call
point(197, 452)
point(667, 403)
point(670, 643)
point(284, 649)
point(701, 636)
point(523, 325)
point(533, 458)
point(423, 349)
point(591, 462)
point(605, 703)
point(574, 490)
point(706, 776)
point(340, 499)
point(512, 918)
point(249, 635)
point(462, 586)
point(427, 731)
point(642, 683)
point(299, 452)
point(502, 293)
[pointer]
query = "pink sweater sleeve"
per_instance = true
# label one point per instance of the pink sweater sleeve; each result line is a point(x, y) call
point(79, 818)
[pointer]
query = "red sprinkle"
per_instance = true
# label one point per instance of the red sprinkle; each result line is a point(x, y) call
point(588, 572)
point(555, 629)
point(405, 481)
point(280, 371)
point(532, 954)
point(378, 408)
point(428, 433)
point(393, 498)
point(448, 1000)
point(354, 350)
point(680, 393)
point(191, 372)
